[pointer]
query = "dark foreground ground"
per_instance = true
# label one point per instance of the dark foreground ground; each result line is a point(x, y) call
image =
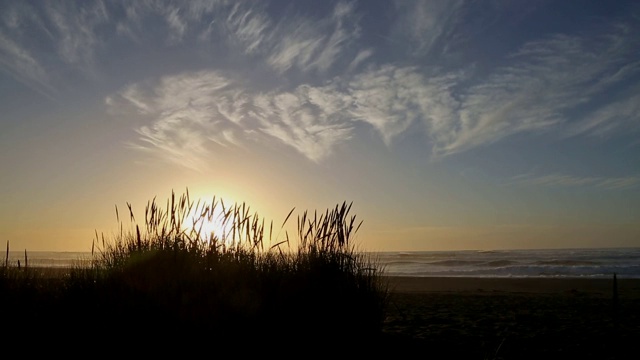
point(513, 318)
point(426, 318)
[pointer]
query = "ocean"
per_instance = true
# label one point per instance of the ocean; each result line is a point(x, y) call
point(592, 263)
point(47, 258)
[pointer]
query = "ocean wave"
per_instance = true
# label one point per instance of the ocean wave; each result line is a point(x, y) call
point(499, 263)
point(525, 271)
point(455, 262)
point(568, 262)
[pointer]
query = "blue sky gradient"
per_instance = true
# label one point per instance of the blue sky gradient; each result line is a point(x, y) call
point(448, 124)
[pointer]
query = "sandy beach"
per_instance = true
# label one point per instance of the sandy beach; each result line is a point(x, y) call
point(514, 318)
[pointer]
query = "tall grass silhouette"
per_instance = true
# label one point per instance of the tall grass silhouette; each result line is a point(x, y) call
point(168, 279)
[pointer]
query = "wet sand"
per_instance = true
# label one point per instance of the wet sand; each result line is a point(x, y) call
point(630, 288)
point(514, 318)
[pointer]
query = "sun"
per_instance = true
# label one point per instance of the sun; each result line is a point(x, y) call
point(211, 219)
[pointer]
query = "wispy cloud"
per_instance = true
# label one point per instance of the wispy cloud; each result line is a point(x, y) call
point(362, 56)
point(75, 29)
point(620, 183)
point(555, 180)
point(533, 90)
point(177, 24)
point(249, 27)
point(192, 111)
point(425, 22)
point(294, 42)
point(315, 119)
point(545, 80)
point(187, 114)
point(306, 119)
point(610, 117)
point(30, 34)
point(311, 119)
point(18, 62)
point(392, 98)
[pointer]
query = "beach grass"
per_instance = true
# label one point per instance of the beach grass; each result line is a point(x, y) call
point(173, 283)
point(165, 285)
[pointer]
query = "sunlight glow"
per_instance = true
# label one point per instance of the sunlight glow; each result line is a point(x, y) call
point(212, 218)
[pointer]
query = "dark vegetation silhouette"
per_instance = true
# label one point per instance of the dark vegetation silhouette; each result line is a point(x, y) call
point(166, 282)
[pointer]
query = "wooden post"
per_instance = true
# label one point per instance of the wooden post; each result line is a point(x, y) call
point(615, 300)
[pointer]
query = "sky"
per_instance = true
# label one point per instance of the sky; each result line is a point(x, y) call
point(448, 125)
